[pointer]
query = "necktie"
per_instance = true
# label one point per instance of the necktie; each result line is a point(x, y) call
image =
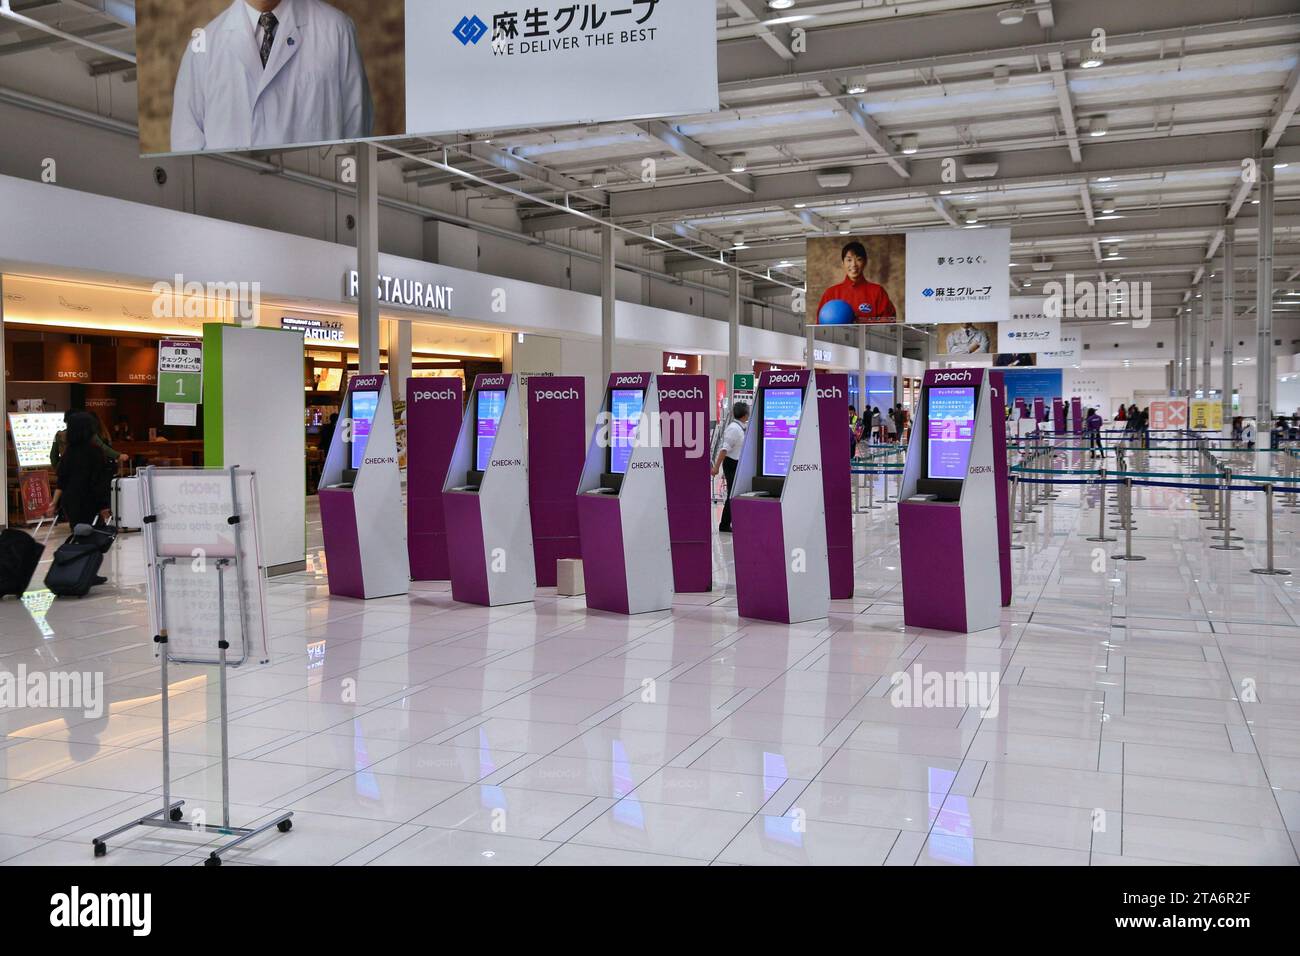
point(268, 23)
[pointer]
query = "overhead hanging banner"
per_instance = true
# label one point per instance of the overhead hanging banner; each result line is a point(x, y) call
point(1028, 328)
point(1066, 355)
point(216, 75)
point(856, 280)
point(958, 275)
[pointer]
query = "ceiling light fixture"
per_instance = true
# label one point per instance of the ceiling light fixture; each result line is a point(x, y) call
point(780, 4)
point(739, 163)
point(1090, 60)
point(1098, 126)
point(910, 144)
point(738, 241)
point(1010, 16)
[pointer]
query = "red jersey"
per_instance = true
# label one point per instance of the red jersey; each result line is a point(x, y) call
point(870, 301)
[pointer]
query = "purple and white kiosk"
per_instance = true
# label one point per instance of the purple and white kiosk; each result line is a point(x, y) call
point(434, 407)
point(778, 511)
point(954, 535)
point(684, 411)
point(623, 504)
point(557, 432)
point(485, 500)
point(361, 497)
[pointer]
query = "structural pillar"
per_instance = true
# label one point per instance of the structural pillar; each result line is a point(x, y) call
point(863, 398)
point(1205, 332)
point(367, 259)
point(607, 301)
point(399, 359)
point(4, 401)
point(733, 337)
point(1178, 350)
point(1264, 377)
point(898, 365)
point(1229, 307)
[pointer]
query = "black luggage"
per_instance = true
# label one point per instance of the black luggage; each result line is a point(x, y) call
point(20, 553)
point(76, 562)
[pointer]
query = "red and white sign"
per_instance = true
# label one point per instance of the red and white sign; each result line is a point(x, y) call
point(1169, 414)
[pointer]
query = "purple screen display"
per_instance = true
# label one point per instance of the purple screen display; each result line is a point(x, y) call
point(782, 409)
point(625, 407)
point(364, 406)
point(950, 417)
point(491, 405)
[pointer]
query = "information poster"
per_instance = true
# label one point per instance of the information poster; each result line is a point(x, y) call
point(1206, 415)
point(180, 372)
point(33, 436)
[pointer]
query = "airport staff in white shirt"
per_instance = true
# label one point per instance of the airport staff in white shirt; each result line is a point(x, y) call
point(272, 73)
point(733, 439)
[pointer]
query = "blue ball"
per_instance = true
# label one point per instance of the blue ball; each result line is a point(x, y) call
point(835, 312)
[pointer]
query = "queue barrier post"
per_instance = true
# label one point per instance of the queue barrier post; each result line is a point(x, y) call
point(1268, 532)
point(1127, 504)
point(1101, 508)
point(1226, 511)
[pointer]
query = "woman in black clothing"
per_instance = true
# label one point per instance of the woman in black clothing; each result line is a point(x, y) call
point(85, 477)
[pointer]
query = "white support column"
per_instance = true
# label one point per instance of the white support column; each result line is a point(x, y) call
point(863, 403)
point(1205, 332)
point(1178, 351)
point(368, 258)
point(1265, 380)
point(810, 347)
point(399, 359)
point(898, 365)
point(608, 299)
point(1193, 369)
point(733, 336)
point(1229, 307)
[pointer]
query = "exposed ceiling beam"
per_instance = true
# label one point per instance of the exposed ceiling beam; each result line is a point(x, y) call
point(812, 220)
point(1287, 103)
point(974, 35)
point(869, 129)
point(527, 169)
point(942, 207)
point(754, 11)
point(1065, 103)
point(687, 148)
point(1018, 168)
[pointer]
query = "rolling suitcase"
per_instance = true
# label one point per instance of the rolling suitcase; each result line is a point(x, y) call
point(20, 553)
point(76, 563)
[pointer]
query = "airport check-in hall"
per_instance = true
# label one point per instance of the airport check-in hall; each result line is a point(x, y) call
point(725, 433)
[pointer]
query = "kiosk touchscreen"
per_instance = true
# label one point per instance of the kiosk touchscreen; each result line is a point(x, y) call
point(485, 500)
point(778, 507)
point(950, 429)
point(361, 497)
point(623, 505)
point(954, 535)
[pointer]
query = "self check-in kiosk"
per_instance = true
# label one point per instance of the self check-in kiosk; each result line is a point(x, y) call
point(778, 513)
point(832, 410)
point(485, 500)
point(954, 535)
point(684, 414)
point(557, 436)
point(434, 407)
point(361, 497)
point(622, 502)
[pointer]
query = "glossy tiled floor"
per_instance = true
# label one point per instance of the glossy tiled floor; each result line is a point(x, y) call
point(1146, 713)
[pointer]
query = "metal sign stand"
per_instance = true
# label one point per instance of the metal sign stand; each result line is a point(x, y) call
point(170, 816)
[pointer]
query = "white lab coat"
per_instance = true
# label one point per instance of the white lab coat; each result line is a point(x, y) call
point(312, 90)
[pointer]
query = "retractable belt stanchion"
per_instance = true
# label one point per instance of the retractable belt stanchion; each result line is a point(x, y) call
point(1011, 519)
point(1127, 505)
point(1101, 508)
point(1226, 526)
point(1268, 531)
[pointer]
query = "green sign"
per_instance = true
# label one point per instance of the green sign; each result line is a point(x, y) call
point(180, 372)
point(742, 383)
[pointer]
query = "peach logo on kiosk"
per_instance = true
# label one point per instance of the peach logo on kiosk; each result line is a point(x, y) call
point(444, 395)
point(367, 383)
point(491, 381)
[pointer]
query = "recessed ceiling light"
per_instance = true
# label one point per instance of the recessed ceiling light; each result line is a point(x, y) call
point(780, 4)
point(800, 205)
point(1010, 16)
point(945, 192)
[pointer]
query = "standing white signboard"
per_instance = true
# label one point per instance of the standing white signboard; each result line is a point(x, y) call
point(958, 275)
point(189, 534)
